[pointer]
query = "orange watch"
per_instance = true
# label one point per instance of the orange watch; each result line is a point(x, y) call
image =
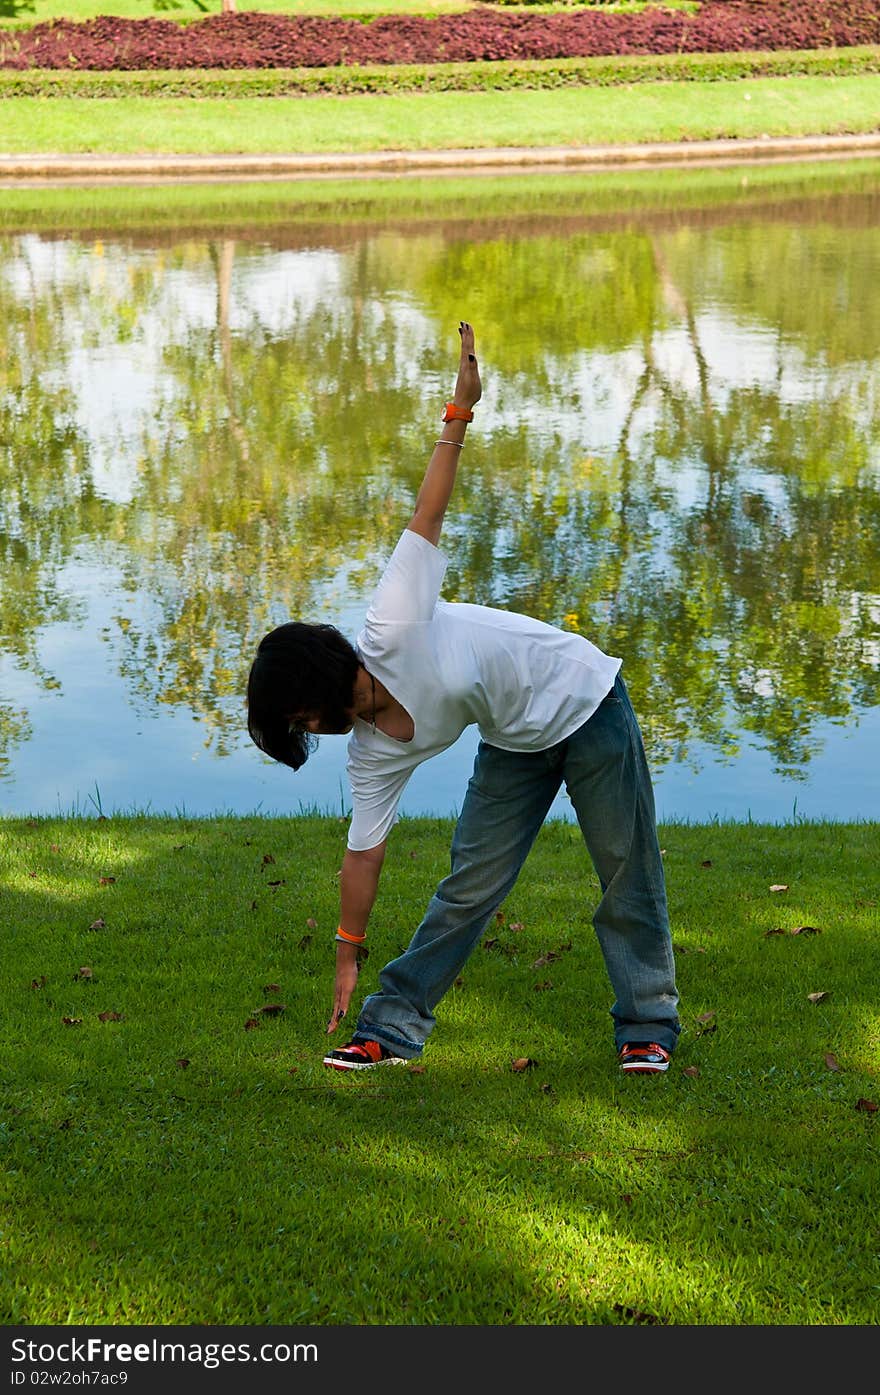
point(453, 413)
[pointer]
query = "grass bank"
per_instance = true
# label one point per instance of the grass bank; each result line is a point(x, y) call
point(792, 106)
point(176, 1153)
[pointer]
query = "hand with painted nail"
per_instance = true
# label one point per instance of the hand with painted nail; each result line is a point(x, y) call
point(346, 979)
point(468, 387)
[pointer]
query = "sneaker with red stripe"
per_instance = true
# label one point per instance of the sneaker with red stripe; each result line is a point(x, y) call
point(643, 1058)
point(361, 1055)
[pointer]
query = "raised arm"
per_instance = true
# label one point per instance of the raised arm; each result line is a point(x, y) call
point(436, 489)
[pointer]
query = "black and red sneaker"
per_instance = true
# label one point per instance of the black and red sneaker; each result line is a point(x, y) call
point(359, 1054)
point(643, 1058)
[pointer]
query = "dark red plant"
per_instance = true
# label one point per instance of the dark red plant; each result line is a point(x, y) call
point(255, 40)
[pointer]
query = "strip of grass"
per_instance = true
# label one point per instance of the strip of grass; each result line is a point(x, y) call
point(794, 106)
point(167, 1163)
point(443, 77)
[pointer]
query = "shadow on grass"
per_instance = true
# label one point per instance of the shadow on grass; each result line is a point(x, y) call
point(251, 1185)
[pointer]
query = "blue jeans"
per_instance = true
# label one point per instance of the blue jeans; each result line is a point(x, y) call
point(606, 775)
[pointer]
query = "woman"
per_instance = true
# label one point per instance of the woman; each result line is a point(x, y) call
point(550, 707)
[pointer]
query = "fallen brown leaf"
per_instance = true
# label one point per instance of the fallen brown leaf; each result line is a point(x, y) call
point(84, 972)
point(805, 930)
point(98, 924)
point(542, 986)
point(110, 1016)
point(305, 941)
point(779, 886)
point(707, 863)
point(273, 1009)
point(706, 1016)
point(499, 917)
point(106, 881)
point(271, 988)
point(415, 1070)
point(516, 926)
point(546, 1089)
point(831, 1061)
point(867, 1106)
point(522, 1063)
point(777, 930)
point(547, 958)
point(690, 1070)
point(312, 923)
point(251, 1023)
point(183, 1062)
point(71, 1021)
point(818, 997)
point(636, 1314)
point(39, 982)
point(491, 943)
point(267, 859)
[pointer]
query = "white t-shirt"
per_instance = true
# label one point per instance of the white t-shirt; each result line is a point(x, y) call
point(527, 685)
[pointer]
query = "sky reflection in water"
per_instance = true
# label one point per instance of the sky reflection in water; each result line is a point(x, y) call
point(208, 431)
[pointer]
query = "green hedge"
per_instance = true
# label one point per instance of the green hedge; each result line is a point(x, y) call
point(437, 77)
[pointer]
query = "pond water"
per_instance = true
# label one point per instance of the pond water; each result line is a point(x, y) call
point(216, 405)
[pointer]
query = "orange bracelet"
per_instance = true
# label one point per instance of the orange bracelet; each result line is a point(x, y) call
point(351, 939)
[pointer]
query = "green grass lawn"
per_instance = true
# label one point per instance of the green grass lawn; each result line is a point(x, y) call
point(175, 1153)
point(443, 120)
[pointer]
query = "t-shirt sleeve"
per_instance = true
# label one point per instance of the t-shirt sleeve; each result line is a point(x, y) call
point(375, 797)
point(410, 585)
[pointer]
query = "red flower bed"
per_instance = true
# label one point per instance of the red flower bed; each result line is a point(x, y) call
point(284, 41)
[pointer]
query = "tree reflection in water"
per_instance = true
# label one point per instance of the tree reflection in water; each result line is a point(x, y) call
point(677, 449)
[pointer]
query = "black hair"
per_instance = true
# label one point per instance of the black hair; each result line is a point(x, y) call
point(299, 668)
